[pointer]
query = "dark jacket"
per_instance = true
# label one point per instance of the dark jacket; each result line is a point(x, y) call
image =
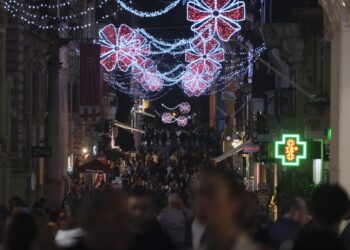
point(153, 238)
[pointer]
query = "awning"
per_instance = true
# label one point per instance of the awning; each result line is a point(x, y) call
point(228, 154)
point(94, 166)
point(124, 126)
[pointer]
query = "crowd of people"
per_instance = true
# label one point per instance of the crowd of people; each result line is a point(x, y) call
point(175, 198)
point(174, 136)
point(220, 215)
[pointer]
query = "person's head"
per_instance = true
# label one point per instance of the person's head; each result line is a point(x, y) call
point(106, 220)
point(21, 232)
point(329, 205)
point(16, 204)
point(319, 240)
point(174, 200)
point(100, 177)
point(295, 208)
point(217, 197)
point(71, 216)
point(141, 207)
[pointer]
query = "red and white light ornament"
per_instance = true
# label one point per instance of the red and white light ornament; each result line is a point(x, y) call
point(126, 48)
point(218, 17)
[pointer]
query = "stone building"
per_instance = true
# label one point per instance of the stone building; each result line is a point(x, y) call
point(34, 112)
point(337, 31)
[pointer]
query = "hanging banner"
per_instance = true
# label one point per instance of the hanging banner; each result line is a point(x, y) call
point(90, 82)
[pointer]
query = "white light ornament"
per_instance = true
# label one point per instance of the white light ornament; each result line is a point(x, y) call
point(218, 17)
point(139, 13)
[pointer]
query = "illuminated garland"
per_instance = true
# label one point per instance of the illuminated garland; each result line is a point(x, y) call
point(148, 14)
point(62, 27)
point(31, 15)
point(42, 5)
point(184, 107)
point(168, 118)
point(129, 51)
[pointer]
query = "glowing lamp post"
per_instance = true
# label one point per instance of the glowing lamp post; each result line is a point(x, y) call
point(290, 150)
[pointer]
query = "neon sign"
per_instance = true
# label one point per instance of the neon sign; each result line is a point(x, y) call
point(291, 149)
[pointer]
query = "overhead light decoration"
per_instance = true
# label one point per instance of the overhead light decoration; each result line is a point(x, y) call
point(167, 118)
point(139, 13)
point(218, 17)
point(123, 47)
point(153, 82)
point(204, 55)
point(182, 121)
point(291, 150)
point(184, 107)
point(195, 83)
point(140, 72)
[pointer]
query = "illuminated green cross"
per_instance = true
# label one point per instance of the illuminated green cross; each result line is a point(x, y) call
point(290, 150)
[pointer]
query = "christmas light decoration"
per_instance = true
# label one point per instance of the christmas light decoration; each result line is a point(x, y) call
point(195, 83)
point(153, 82)
point(141, 72)
point(182, 121)
point(11, 5)
point(41, 5)
point(205, 55)
point(290, 150)
point(124, 47)
point(167, 118)
point(148, 14)
point(219, 17)
point(184, 107)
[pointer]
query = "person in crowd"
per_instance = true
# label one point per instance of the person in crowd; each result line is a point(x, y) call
point(21, 232)
point(163, 137)
point(330, 204)
point(320, 240)
point(4, 214)
point(16, 205)
point(105, 221)
point(156, 137)
point(69, 234)
point(286, 229)
point(217, 199)
point(345, 233)
point(146, 232)
point(174, 220)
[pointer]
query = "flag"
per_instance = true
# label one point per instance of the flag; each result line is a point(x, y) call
point(90, 83)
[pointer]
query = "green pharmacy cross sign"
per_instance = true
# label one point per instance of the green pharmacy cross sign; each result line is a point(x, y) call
point(290, 150)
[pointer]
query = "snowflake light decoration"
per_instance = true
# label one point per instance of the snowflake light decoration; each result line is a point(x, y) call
point(219, 17)
point(182, 121)
point(184, 107)
point(167, 118)
point(205, 55)
point(195, 83)
point(124, 47)
point(153, 82)
point(143, 70)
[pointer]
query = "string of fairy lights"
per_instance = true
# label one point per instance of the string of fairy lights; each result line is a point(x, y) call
point(199, 65)
point(30, 13)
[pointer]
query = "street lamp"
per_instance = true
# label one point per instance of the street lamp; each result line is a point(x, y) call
point(236, 143)
point(85, 150)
